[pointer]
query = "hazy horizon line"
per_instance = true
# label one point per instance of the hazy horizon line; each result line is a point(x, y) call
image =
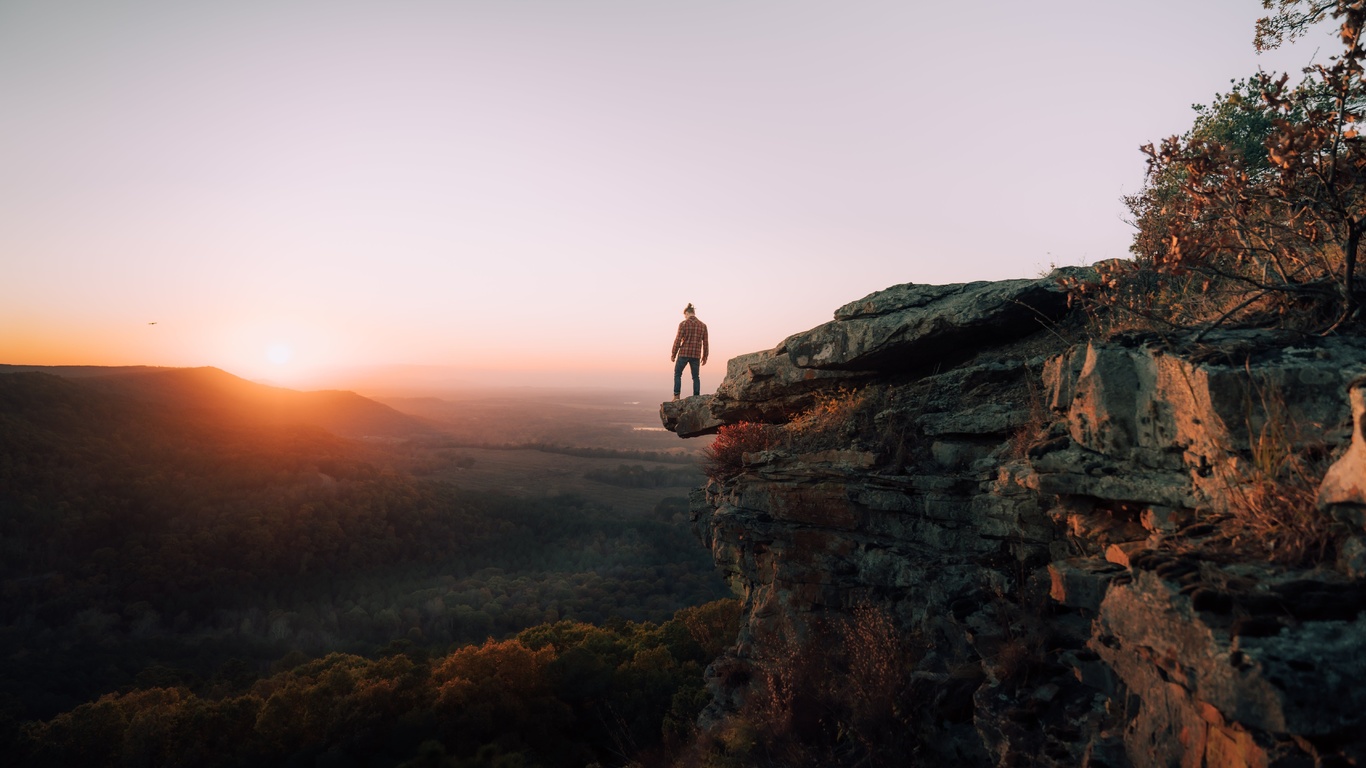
point(412, 380)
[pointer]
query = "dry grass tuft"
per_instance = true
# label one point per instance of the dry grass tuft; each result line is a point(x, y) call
point(1275, 505)
point(1039, 428)
point(864, 419)
point(1272, 493)
point(833, 415)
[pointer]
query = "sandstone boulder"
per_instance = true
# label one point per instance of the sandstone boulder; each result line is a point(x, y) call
point(1345, 482)
point(1138, 410)
point(766, 386)
point(1151, 403)
point(689, 417)
point(910, 326)
point(759, 386)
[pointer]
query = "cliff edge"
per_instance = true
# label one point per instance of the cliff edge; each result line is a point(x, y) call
point(963, 533)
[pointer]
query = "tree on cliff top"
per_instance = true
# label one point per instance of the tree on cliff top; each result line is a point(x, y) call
point(1290, 20)
point(1256, 215)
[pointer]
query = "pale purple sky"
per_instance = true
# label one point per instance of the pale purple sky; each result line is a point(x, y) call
point(530, 191)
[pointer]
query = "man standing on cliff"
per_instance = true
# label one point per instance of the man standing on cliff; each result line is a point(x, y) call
point(690, 349)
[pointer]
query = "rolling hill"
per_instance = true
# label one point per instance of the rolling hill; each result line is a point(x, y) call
point(218, 395)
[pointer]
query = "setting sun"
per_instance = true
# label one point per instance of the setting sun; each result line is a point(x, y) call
point(279, 353)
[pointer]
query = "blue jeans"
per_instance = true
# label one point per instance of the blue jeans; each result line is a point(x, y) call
point(678, 375)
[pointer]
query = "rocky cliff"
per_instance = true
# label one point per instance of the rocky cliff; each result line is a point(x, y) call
point(1084, 552)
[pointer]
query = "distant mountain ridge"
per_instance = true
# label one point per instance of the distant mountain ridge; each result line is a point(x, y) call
point(214, 392)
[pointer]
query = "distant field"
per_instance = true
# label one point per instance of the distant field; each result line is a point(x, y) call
point(621, 421)
point(527, 472)
point(187, 529)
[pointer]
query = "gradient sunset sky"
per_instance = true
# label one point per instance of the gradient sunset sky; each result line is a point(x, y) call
point(529, 191)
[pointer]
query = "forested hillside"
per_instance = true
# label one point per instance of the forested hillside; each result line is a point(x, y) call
point(564, 694)
point(174, 545)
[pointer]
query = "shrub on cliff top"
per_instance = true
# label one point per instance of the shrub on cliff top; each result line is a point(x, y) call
point(1255, 216)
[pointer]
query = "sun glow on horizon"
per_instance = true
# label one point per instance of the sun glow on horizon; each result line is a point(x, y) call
point(279, 353)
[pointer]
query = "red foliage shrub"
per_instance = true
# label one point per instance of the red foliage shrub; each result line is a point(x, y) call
point(723, 458)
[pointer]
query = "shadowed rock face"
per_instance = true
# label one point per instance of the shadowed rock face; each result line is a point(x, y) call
point(909, 327)
point(994, 489)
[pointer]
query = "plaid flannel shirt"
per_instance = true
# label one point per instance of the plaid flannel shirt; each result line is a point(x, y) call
point(691, 340)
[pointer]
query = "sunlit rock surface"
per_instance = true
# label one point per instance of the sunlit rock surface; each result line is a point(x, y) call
point(1344, 485)
point(1031, 507)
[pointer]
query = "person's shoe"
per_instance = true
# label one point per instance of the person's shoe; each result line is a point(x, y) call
point(675, 398)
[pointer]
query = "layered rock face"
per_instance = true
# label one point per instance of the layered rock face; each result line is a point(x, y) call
point(1077, 537)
